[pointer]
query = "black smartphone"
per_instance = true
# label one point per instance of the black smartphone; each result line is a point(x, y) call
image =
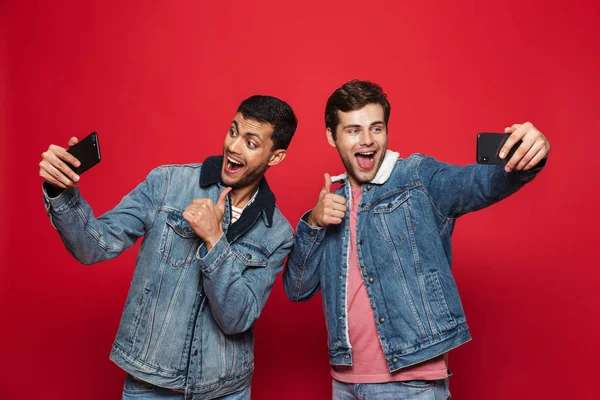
point(489, 145)
point(87, 151)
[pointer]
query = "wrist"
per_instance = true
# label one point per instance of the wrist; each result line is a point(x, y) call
point(212, 241)
point(310, 220)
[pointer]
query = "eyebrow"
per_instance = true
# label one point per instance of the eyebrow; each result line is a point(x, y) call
point(237, 128)
point(359, 126)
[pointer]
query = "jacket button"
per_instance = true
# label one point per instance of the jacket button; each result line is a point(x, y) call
point(368, 187)
point(196, 352)
point(381, 320)
point(312, 233)
point(361, 242)
point(347, 356)
point(249, 256)
point(362, 205)
point(390, 205)
point(394, 360)
point(371, 280)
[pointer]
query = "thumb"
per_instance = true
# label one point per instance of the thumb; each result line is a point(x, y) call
point(222, 198)
point(73, 141)
point(327, 185)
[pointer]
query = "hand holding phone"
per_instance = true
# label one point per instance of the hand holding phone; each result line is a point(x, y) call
point(60, 167)
point(87, 152)
point(489, 146)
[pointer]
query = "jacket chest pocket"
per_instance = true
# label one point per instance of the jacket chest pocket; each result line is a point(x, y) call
point(394, 216)
point(179, 241)
point(251, 254)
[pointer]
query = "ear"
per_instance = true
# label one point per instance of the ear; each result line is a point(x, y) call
point(330, 138)
point(277, 157)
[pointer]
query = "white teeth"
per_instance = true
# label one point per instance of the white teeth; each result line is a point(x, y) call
point(231, 160)
point(367, 154)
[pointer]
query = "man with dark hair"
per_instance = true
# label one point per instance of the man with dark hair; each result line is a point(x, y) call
point(379, 248)
point(214, 241)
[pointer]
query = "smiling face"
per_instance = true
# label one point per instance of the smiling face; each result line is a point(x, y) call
point(248, 152)
point(361, 141)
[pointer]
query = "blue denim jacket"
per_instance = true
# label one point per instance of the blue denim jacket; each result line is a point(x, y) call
point(187, 321)
point(404, 223)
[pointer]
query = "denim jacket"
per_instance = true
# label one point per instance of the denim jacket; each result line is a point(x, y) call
point(404, 224)
point(187, 321)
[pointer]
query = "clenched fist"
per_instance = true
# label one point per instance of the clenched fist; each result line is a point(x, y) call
point(206, 218)
point(330, 208)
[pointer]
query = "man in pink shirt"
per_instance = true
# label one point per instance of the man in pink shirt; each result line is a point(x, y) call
point(379, 249)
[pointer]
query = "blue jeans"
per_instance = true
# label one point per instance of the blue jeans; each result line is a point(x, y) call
point(408, 390)
point(139, 390)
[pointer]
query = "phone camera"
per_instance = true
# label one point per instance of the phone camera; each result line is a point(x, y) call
point(483, 159)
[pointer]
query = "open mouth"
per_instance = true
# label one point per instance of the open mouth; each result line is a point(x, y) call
point(365, 160)
point(233, 165)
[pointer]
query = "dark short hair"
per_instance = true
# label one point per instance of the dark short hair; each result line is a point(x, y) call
point(351, 96)
point(275, 112)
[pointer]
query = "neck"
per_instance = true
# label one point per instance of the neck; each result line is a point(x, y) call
point(241, 196)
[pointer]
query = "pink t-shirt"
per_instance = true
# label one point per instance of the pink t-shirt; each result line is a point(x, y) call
point(368, 361)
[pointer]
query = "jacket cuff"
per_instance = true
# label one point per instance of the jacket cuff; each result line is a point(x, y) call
point(526, 176)
point(307, 232)
point(59, 202)
point(215, 257)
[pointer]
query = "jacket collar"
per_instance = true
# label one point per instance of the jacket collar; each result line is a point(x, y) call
point(210, 174)
point(384, 172)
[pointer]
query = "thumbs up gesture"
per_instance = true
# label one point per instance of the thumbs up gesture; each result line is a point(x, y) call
point(206, 218)
point(330, 208)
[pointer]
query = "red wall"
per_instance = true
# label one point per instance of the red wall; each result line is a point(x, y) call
point(160, 82)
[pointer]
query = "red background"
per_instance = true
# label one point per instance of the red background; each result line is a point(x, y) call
point(160, 82)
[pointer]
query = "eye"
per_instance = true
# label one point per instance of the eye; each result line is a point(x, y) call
point(232, 133)
point(377, 129)
point(251, 144)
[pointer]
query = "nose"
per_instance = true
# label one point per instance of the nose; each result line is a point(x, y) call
point(234, 144)
point(365, 138)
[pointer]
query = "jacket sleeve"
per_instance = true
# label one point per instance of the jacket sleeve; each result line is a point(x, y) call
point(237, 293)
point(457, 190)
point(90, 239)
point(301, 278)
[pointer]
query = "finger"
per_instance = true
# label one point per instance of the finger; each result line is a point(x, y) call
point(518, 155)
point(223, 198)
point(63, 154)
point(511, 129)
point(73, 141)
point(537, 146)
point(192, 208)
point(50, 179)
point(56, 174)
point(339, 207)
point(332, 221)
point(336, 198)
point(510, 142)
point(536, 159)
point(62, 167)
point(336, 214)
point(327, 185)
point(188, 216)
